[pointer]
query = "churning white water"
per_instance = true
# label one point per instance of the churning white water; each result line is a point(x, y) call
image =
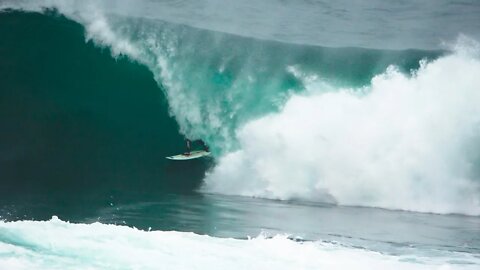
point(406, 142)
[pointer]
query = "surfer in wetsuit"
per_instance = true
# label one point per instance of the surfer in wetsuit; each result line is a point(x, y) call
point(204, 145)
point(189, 146)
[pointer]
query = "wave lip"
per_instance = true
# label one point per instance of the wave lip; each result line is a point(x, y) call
point(410, 142)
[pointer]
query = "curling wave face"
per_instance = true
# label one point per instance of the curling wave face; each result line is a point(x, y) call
point(215, 82)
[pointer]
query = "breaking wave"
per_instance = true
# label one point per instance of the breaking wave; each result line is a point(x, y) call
point(351, 126)
point(406, 141)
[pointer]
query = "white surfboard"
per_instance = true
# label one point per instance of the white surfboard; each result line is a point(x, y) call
point(192, 155)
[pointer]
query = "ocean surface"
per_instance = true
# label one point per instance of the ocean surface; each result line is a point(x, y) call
point(344, 134)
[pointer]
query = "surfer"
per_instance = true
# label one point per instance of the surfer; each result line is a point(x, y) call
point(189, 146)
point(204, 145)
point(190, 153)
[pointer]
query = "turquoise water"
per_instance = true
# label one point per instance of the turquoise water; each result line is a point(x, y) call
point(344, 135)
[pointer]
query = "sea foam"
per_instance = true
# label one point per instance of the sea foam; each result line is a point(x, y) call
point(56, 244)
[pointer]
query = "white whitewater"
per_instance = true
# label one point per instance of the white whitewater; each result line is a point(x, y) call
point(56, 244)
point(409, 142)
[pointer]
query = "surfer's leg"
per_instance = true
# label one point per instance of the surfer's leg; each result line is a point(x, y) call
point(189, 147)
point(204, 145)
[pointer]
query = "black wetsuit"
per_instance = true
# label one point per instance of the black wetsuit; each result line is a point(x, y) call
point(189, 145)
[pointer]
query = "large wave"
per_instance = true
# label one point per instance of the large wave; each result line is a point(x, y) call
point(216, 82)
point(296, 121)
